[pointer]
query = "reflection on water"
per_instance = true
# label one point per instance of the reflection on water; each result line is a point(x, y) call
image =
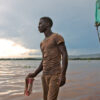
point(81, 74)
point(13, 73)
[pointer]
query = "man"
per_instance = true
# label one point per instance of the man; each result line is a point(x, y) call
point(52, 47)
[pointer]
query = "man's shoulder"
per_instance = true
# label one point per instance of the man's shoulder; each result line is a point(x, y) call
point(59, 38)
point(57, 34)
point(54, 35)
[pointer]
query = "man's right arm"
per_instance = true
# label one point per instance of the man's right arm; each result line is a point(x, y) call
point(37, 71)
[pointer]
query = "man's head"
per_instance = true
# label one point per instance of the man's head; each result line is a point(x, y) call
point(45, 23)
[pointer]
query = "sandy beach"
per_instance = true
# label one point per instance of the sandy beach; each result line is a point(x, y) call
point(83, 81)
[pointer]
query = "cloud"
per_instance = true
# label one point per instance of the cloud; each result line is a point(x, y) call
point(11, 49)
point(73, 19)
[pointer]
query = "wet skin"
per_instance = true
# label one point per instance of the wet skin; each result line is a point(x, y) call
point(45, 28)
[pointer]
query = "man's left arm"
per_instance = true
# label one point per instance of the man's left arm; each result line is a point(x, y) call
point(64, 53)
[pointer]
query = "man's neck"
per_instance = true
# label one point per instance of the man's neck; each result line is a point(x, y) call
point(47, 33)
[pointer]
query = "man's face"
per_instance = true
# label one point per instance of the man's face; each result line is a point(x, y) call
point(42, 26)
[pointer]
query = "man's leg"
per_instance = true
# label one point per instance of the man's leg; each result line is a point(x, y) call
point(45, 87)
point(53, 87)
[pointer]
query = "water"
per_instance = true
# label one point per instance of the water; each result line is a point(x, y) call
point(80, 74)
point(13, 73)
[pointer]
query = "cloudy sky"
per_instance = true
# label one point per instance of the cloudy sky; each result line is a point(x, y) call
point(73, 19)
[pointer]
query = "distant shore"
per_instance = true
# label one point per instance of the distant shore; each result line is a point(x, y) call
point(98, 58)
point(84, 58)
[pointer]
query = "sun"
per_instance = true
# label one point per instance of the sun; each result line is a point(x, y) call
point(9, 49)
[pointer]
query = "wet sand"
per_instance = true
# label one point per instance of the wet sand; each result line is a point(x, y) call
point(83, 83)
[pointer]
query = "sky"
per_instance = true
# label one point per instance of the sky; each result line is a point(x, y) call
point(73, 19)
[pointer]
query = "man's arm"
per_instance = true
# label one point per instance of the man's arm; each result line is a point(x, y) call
point(37, 71)
point(64, 53)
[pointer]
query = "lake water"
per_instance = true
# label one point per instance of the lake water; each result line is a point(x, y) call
point(82, 74)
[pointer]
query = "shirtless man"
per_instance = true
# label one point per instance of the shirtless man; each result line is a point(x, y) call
point(53, 49)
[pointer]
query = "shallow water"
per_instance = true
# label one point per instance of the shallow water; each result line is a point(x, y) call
point(13, 73)
point(83, 78)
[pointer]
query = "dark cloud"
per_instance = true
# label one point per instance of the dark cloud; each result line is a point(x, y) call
point(74, 20)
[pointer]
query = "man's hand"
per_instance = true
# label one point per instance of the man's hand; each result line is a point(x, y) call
point(30, 75)
point(62, 80)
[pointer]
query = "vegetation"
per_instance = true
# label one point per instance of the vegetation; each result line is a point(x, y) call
point(41, 58)
point(84, 58)
point(20, 58)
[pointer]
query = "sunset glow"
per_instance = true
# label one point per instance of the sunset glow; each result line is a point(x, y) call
point(9, 49)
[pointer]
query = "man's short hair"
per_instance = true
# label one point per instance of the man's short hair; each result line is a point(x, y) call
point(48, 20)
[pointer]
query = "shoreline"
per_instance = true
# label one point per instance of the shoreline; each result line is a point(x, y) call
point(98, 58)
